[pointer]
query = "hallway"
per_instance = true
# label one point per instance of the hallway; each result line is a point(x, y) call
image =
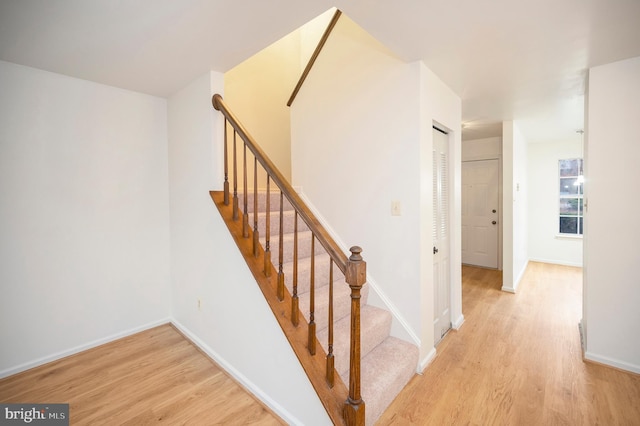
point(517, 361)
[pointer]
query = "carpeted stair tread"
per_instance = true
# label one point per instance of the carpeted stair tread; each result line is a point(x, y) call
point(375, 326)
point(274, 201)
point(304, 246)
point(321, 272)
point(288, 222)
point(341, 303)
point(386, 370)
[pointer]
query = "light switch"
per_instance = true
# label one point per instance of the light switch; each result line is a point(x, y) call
point(396, 208)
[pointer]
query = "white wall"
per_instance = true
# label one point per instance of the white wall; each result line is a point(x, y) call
point(482, 149)
point(342, 134)
point(545, 244)
point(611, 317)
point(515, 255)
point(257, 91)
point(84, 252)
point(361, 126)
point(234, 324)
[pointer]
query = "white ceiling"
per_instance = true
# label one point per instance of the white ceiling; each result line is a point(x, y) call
point(507, 59)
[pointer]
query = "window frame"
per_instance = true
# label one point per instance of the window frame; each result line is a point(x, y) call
point(578, 196)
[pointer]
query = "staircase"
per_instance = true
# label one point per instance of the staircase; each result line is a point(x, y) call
point(323, 312)
point(387, 362)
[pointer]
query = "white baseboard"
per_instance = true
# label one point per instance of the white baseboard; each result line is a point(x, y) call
point(508, 289)
point(621, 365)
point(458, 322)
point(424, 363)
point(239, 377)
point(72, 351)
point(516, 283)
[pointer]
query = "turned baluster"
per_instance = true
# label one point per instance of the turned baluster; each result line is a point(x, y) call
point(280, 288)
point(295, 312)
point(235, 179)
point(267, 232)
point(256, 233)
point(330, 358)
point(311, 341)
point(245, 214)
point(226, 166)
point(356, 276)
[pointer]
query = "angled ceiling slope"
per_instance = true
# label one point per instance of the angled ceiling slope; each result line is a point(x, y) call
point(149, 46)
point(507, 60)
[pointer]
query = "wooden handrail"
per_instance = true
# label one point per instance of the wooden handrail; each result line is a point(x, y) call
point(314, 56)
point(305, 213)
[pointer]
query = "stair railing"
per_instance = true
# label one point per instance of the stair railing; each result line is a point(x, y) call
point(353, 267)
point(314, 56)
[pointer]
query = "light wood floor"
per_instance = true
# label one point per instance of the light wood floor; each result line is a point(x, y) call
point(517, 361)
point(153, 377)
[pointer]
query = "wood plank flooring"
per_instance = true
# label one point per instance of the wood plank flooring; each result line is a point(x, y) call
point(517, 361)
point(153, 377)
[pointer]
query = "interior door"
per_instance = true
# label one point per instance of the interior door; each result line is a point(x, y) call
point(442, 288)
point(480, 213)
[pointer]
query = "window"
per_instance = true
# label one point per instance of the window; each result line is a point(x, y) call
point(571, 199)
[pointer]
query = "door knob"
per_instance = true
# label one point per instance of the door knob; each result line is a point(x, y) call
point(493, 211)
point(435, 250)
point(493, 222)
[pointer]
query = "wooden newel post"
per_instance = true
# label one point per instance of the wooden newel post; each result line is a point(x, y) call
point(216, 105)
point(356, 276)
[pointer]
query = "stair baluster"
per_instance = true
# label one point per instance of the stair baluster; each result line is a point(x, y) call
point(256, 233)
point(267, 233)
point(245, 211)
point(235, 179)
point(312, 296)
point(295, 311)
point(330, 358)
point(280, 289)
point(226, 167)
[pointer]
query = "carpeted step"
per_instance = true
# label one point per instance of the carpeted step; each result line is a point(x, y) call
point(375, 326)
point(386, 370)
point(288, 222)
point(274, 201)
point(321, 273)
point(304, 246)
point(341, 303)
